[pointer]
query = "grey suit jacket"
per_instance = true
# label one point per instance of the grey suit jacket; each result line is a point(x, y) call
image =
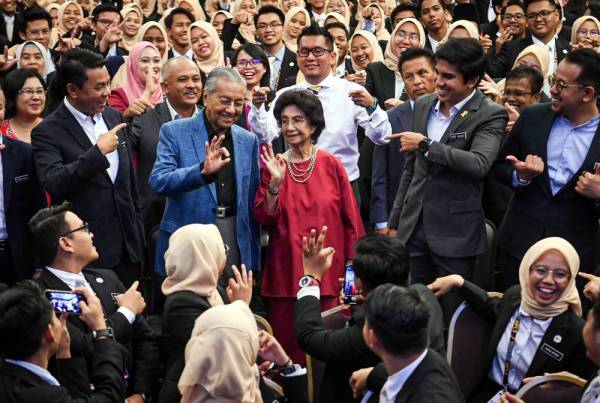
point(445, 186)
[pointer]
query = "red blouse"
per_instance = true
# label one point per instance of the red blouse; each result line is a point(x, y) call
point(325, 199)
point(5, 130)
point(118, 100)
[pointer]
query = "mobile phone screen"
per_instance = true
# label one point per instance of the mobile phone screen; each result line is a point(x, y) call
point(350, 291)
point(64, 301)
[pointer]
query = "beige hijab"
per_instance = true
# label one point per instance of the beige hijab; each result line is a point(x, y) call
point(377, 54)
point(197, 10)
point(59, 30)
point(570, 296)
point(542, 54)
point(300, 4)
point(194, 261)
point(578, 22)
point(338, 17)
point(53, 6)
point(292, 43)
point(345, 15)
point(469, 26)
point(390, 58)
point(220, 357)
point(247, 31)
point(381, 33)
point(217, 57)
point(127, 43)
point(149, 9)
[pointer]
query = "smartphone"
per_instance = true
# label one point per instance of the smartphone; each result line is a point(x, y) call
point(350, 291)
point(64, 301)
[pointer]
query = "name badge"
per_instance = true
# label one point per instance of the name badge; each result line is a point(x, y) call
point(458, 136)
point(22, 178)
point(552, 352)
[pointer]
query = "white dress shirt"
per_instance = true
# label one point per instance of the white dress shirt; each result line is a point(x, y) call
point(340, 70)
point(76, 280)
point(9, 21)
point(36, 369)
point(174, 114)
point(3, 229)
point(275, 62)
point(592, 392)
point(319, 18)
point(93, 127)
point(437, 122)
point(530, 334)
point(189, 54)
point(551, 46)
point(398, 88)
point(342, 118)
point(434, 43)
point(396, 381)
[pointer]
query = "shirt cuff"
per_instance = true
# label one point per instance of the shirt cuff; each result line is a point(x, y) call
point(381, 225)
point(517, 183)
point(311, 290)
point(298, 372)
point(128, 314)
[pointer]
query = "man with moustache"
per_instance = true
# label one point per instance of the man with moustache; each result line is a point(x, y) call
point(455, 138)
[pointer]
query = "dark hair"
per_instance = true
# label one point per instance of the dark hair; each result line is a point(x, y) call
point(420, 3)
point(75, 62)
point(497, 3)
point(589, 62)
point(403, 7)
point(512, 3)
point(380, 259)
point(181, 11)
point(399, 318)
point(24, 317)
point(554, 2)
point(466, 54)
point(535, 78)
point(415, 53)
point(315, 30)
point(104, 8)
point(46, 227)
point(256, 52)
point(33, 13)
point(13, 83)
point(270, 10)
point(307, 103)
point(338, 24)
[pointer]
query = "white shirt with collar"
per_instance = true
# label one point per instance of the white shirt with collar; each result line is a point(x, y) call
point(173, 112)
point(342, 119)
point(319, 18)
point(434, 43)
point(551, 46)
point(340, 70)
point(396, 381)
point(276, 61)
point(93, 127)
point(189, 54)
point(437, 122)
point(530, 334)
point(75, 280)
point(36, 369)
point(9, 21)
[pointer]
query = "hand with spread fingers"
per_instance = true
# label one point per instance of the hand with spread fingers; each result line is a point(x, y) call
point(240, 286)
point(216, 156)
point(317, 259)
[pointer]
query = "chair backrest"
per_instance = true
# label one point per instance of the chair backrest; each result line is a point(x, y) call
point(556, 388)
point(333, 319)
point(484, 274)
point(468, 337)
point(263, 324)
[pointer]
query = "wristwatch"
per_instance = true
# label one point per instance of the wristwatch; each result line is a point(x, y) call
point(108, 333)
point(289, 369)
point(371, 109)
point(307, 280)
point(425, 144)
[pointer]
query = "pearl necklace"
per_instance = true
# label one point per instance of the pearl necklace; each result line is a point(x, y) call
point(301, 175)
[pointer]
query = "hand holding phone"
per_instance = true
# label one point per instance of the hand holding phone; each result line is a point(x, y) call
point(350, 291)
point(64, 301)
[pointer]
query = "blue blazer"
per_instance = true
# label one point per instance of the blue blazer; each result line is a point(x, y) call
point(176, 175)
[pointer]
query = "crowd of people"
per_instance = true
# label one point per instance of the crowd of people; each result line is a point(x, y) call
point(199, 178)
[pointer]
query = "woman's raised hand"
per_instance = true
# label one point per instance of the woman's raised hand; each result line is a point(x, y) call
point(275, 164)
point(443, 285)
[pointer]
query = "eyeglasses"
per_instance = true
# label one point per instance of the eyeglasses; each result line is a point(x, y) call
point(30, 91)
point(584, 32)
point(559, 275)
point(245, 63)
point(85, 228)
point(544, 14)
point(560, 84)
point(317, 52)
point(516, 93)
point(274, 25)
point(517, 17)
point(403, 35)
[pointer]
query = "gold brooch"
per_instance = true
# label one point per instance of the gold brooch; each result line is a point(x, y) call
point(465, 113)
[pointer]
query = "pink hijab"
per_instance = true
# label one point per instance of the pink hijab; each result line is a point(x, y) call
point(135, 85)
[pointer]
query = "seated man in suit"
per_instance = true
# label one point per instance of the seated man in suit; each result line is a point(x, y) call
point(64, 243)
point(417, 67)
point(31, 334)
point(269, 30)
point(207, 167)
point(543, 23)
point(379, 260)
point(396, 329)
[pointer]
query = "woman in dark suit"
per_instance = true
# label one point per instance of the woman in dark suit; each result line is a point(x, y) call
point(537, 324)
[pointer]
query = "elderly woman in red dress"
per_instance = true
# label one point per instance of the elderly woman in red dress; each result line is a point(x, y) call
point(301, 190)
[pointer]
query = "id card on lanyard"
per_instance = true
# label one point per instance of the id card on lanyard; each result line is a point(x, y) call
point(507, 364)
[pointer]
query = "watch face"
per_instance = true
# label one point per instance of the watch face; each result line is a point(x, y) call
point(304, 281)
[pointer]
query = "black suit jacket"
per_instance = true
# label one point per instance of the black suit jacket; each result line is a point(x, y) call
point(288, 71)
point(139, 338)
point(71, 168)
point(19, 385)
point(143, 137)
point(501, 63)
point(344, 350)
point(534, 213)
point(568, 326)
point(388, 163)
point(22, 199)
point(432, 381)
point(15, 34)
point(381, 82)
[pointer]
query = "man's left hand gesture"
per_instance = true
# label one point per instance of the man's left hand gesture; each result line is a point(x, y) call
point(317, 260)
point(361, 97)
point(409, 141)
point(216, 156)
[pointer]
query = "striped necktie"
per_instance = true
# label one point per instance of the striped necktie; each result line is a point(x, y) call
point(315, 89)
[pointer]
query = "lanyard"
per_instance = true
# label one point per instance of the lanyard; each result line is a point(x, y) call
point(511, 345)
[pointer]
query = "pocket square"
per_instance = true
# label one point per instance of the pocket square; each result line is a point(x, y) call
point(21, 178)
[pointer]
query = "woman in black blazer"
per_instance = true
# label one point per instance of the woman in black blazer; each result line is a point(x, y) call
point(537, 324)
